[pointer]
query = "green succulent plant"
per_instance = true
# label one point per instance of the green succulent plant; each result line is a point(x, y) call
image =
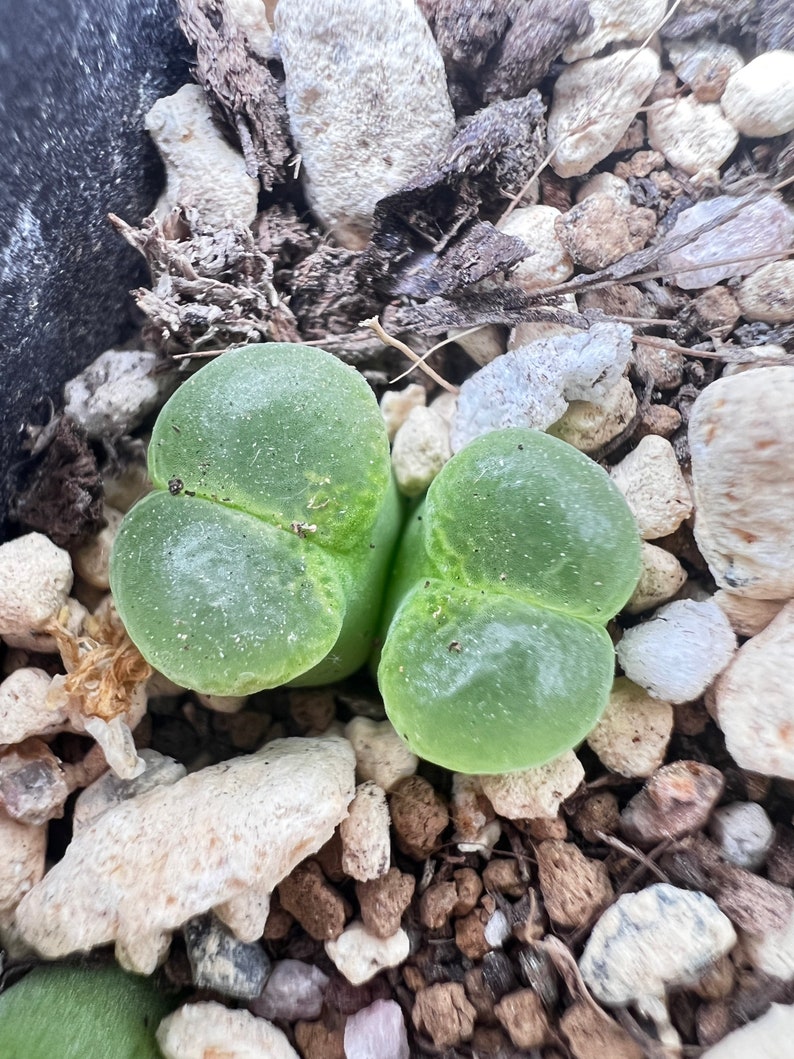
point(264, 554)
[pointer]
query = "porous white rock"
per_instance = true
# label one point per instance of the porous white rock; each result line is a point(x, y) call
point(589, 426)
point(359, 955)
point(759, 99)
point(661, 576)
point(251, 17)
point(109, 790)
point(531, 386)
point(420, 450)
point(483, 344)
point(648, 942)
point(353, 73)
point(741, 431)
point(773, 952)
point(756, 228)
point(747, 616)
point(396, 406)
point(378, 1030)
point(35, 579)
point(24, 707)
point(366, 842)
point(654, 487)
point(219, 839)
point(632, 735)
point(203, 171)
point(767, 1037)
point(753, 702)
point(744, 833)
point(549, 262)
point(768, 293)
point(381, 755)
point(613, 21)
point(22, 850)
point(115, 393)
point(92, 559)
point(606, 184)
point(677, 653)
point(537, 792)
point(206, 1028)
point(705, 65)
point(693, 136)
point(594, 102)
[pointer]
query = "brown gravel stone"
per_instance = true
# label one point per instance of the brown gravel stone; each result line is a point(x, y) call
point(436, 904)
point(596, 232)
point(658, 419)
point(522, 1015)
point(780, 859)
point(641, 164)
point(504, 877)
point(318, 907)
point(489, 1040)
point(600, 812)
point(470, 934)
point(530, 922)
point(718, 981)
point(279, 921)
point(413, 978)
point(542, 827)
point(716, 309)
point(665, 367)
point(312, 709)
point(383, 901)
point(676, 801)
point(713, 1022)
point(593, 1036)
point(316, 1041)
point(418, 815)
point(329, 857)
point(690, 718)
point(443, 1013)
point(621, 299)
point(468, 886)
point(480, 995)
point(574, 887)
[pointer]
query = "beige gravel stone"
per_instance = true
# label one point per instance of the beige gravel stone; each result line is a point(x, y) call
point(366, 843)
point(753, 701)
point(606, 184)
point(221, 838)
point(705, 65)
point(768, 293)
point(35, 579)
point(359, 955)
point(483, 344)
point(759, 99)
point(22, 849)
point(396, 405)
point(205, 1029)
point(654, 487)
point(747, 616)
point(632, 736)
point(599, 97)
point(589, 426)
point(24, 710)
point(91, 560)
point(381, 755)
point(661, 577)
point(534, 792)
point(549, 263)
point(695, 137)
point(601, 229)
point(741, 432)
point(613, 21)
point(421, 448)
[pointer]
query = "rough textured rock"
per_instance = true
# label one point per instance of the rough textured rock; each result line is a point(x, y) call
point(378, 1030)
point(676, 801)
point(549, 262)
point(381, 755)
point(359, 955)
point(768, 293)
point(574, 887)
point(536, 792)
point(197, 1031)
point(35, 579)
point(591, 1036)
point(443, 1013)
point(24, 709)
point(759, 99)
point(108, 790)
point(602, 228)
point(366, 844)
point(353, 72)
point(693, 136)
point(589, 426)
point(753, 701)
point(382, 901)
point(632, 736)
point(294, 990)
point(22, 849)
point(747, 616)
point(740, 435)
point(420, 450)
point(705, 65)
point(396, 406)
point(613, 21)
point(250, 821)
point(654, 487)
point(651, 941)
point(222, 963)
point(744, 833)
point(600, 97)
point(661, 577)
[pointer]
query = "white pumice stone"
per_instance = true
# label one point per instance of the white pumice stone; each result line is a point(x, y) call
point(353, 73)
point(661, 576)
point(35, 580)
point(531, 386)
point(632, 736)
point(396, 406)
point(615, 21)
point(753, 702)
point(22, 850)
point(744, 833)
point(91, 560)
point(600, 97)
point(772, 953)
point(483, 344)
point(421, 448)
point(747, 616)
point(359, 955)
point(654, 487)
point(366, 841)
point(741, 430)
point(606, 184)
point(24, 708)
point(251, 17)
point(206, 1028)
point(705, 65)
point(537, 792)
point(203, 171)
point(648, 942)
point(381, 756)
point(768, 293)
point(589, 426)
point(677, 653)
point(549, 262)
point(695, 137)
point(219, 839)
point(759, 99)
point(116, 392)
point(767, 1037)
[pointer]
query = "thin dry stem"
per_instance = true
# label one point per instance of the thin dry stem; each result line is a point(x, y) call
point(374, 325)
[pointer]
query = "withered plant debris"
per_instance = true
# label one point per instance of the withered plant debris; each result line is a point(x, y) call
point(239, 87)
point(62, 494)
point(775, 25)
point(211, 287)
point(326, 296)
point(718, 17)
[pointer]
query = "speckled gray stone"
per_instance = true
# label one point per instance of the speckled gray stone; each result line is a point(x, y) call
point(219, 961)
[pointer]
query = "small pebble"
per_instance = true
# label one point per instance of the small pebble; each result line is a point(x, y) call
point(632, 735)
point(497, 929)
point(419, 816)
point(772, 952)
point(768, 293)
point(35, 580)
point(382, 901)
point(381, 756)
point(549, 262)
point(535, 792)
point(676, 801)
point(609, 184)
point(602, 228)
point(33, 787)
point(767, 1037)
point(599, 813)
point(657, 939)
point(366, 842)
point(694, 137)
point(377, 1031)
point(575, 888)
point(615, 21)
point(663, 368)
point(661, 576)
point(654, 487)
point(90, 560)
point(420, 450)
point(24, 707)
point(705, 65)
point(600, 97)
point(443, 1013)
point(523, 1016)
point(22, 850)
point(359, 955)
point(294, 990)
point(530, 331)
point(396, 405)
point(759, 99)
point(743, 832)
point(589, 426)
point(483, 344)
point(197, 1031)
point(317, 905)
point(716, 309)
point(753, 702)
point(218, 961)
point(590, 1035)
point(679, 651)
point(317, 1041)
